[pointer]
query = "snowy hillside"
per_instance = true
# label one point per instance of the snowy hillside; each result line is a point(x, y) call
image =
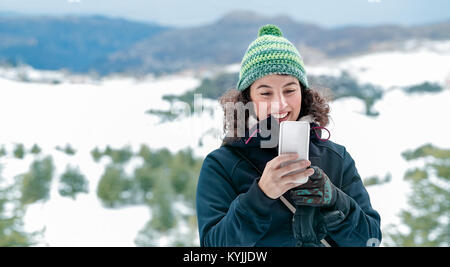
point(112, 112)
point(416, 61)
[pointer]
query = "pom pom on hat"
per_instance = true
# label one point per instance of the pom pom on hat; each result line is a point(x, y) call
point(270, 29)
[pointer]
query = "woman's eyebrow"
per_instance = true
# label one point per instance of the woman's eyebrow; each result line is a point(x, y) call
point(291, 83)
point(265, 85)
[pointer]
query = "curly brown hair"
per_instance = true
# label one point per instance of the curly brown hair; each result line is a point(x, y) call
point(313, 103)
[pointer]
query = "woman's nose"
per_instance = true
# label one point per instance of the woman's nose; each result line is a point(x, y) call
point(280, 103)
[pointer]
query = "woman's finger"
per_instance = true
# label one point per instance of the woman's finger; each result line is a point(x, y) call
point(289, 186)
point(294, 166)
point(297, 177)
point(278, 160)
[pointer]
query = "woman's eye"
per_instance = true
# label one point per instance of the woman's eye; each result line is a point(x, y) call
point(287, 91)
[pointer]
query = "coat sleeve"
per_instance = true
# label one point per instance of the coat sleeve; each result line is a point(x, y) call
point(226, 218)
point(352, 221)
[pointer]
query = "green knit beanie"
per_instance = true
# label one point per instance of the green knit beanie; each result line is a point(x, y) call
point(270, 53)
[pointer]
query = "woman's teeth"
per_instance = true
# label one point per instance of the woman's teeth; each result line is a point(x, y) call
point(280, 116)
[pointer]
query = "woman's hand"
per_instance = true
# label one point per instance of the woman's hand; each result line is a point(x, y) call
point(274, 182)
point(319, 191)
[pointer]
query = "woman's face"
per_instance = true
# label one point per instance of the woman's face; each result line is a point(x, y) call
point(277, 95)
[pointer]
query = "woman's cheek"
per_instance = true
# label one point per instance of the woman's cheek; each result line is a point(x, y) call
point(261, 109)
point(296, 104)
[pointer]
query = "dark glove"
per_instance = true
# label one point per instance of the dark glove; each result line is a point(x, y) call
point(319, 191)
point(309, 227)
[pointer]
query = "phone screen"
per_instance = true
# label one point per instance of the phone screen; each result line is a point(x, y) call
point(294, 137)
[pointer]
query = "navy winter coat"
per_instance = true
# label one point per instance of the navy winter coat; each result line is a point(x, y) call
point(232, 210)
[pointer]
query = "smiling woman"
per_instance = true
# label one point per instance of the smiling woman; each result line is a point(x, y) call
point(296, 99)
point(276, 95)
point(241, 182)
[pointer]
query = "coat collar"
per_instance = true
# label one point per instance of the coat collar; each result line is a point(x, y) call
point(264, 134)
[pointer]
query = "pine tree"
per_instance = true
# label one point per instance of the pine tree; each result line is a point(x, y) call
point(427, 219)
point(12, 212)
point(35, 184)
point(72, 182)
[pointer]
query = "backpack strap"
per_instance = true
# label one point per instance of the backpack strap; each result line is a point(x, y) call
point(282, 198)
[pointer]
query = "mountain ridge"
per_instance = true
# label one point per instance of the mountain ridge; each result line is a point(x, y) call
point(116, 45)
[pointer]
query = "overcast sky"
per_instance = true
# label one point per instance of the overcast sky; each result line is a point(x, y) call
point(181, 13)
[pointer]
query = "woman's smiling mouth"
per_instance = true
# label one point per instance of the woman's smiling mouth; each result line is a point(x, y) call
point(281, 116)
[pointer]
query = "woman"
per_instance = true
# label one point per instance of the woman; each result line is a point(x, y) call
point(245, 198)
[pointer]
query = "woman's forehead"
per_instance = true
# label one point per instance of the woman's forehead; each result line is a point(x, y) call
point(275, 79)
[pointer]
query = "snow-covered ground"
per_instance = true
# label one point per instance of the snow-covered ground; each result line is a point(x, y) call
point(405, 123)
point(413, 63)
point(112, 112)
point(85, 116)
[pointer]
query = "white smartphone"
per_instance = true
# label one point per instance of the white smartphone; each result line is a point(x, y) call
point(294, 137)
